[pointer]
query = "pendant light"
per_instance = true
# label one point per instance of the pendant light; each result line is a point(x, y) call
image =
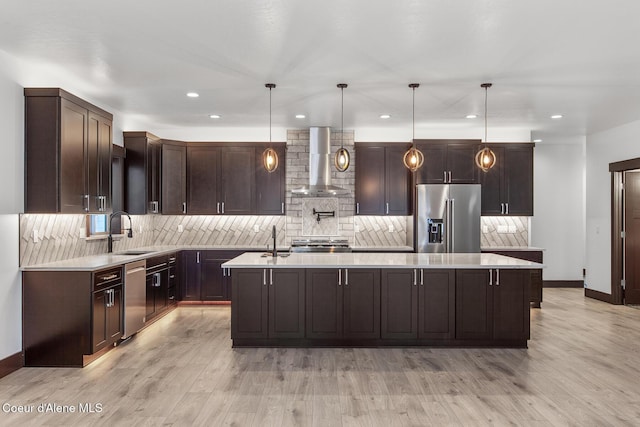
point(270, 156)
point(485, 158)
point(413, 158)
point(342, 158)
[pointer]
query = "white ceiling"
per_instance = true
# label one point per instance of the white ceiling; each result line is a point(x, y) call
point(572, 57)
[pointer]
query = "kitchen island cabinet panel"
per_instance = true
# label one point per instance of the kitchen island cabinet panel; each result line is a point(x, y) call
point(323, 304)
point(286, 303)
point(249, 313)
point(474, 304)
point(436, 304)
point(399, 304)
point(361, 303)
point(511, 304)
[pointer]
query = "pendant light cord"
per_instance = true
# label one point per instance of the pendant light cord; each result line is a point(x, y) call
point(486, 89)
point(413, 119)
point(270, 114)
point(342, 116)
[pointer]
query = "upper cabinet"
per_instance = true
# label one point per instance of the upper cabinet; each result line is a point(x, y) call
point(270, 186)
point(174, 179)
point(507, 188)
point(382, 180)
point(447, 161)
point(67, 153)
point(143, 173)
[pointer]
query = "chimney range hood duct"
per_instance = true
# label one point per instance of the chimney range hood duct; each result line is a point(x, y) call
point(320, 166)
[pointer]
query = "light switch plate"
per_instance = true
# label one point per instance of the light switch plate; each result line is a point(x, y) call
point(390, 228)
point(36, 238)
point(256, 228)
point(83, 232)
point(180, 228)
point(513, 229)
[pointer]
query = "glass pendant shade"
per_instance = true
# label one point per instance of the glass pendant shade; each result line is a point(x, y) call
point(270, 159)
point(485, 159)
point(342, 159)
point(413, 159)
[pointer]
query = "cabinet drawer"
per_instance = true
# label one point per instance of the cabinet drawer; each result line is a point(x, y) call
point(105, 278)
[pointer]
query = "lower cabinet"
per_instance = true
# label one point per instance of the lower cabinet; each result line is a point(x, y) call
point(203, 278)
point(492, 304)
point(160, 284)
point(108, 324)
point(536, 275)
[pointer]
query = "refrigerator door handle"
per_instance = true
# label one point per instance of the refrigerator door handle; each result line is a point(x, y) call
point(452, 208)
point(446, 225)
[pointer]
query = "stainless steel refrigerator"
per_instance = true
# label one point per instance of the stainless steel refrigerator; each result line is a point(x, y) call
point(448, 218)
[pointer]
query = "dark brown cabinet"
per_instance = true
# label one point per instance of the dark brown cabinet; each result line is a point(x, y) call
point(268, 303)
point(67, 153)
point(160, 284)
point(507, 188)
point(536, 275)
point(492, 304)
point(203, 180)
point(238, 192)
point(382, 180)
point(142, 173)
point(270, 187)
point(447, 162)
point(108, 324)
point(343, 303)
point(174, 179)
point(418, 304)
point(204, 279)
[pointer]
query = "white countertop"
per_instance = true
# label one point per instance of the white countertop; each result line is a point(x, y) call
point(511, 248)
point(380, 260)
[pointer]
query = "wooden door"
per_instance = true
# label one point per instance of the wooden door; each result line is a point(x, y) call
point(518, 177)
point(161, 296)
point(474, 305)
point(399, 304)
point(212, 280)
point(323, 305)
point(238, 181)
point(249, 311)
point(286, 303)
point(632, 237)
point(104, 161)
point(370, 180)
point(511, 304)
point(174, 175)
point(99, 336)
point(270, 186)
point(437, 304)
point(190, 289)
point(150, 297)
point(73, 154)
point(203, 180)
point(435, 163)
point(461, 163)
point(397, 182)
point(115, 324)
point(361, 303)
point(492, 185)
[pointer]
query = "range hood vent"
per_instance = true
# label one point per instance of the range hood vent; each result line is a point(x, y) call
point(320, 166)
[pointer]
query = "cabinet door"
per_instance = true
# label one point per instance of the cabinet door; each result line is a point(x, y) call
point(323, 303)
point(73, 136)
point(286, 303)
point(435, 163)
point(249, 311)
point(150, 285)
point(474, 305)
point(397, 178)
point(238, 181)
point(99, 163)
point(203, 180)
point(370, 180)
point(461, 163)
point(399, 304)
point(99, 336)
point(154, 177)
point(511, 304)
point(190, 289)
point(518, 180)
point(270, 187)
point(493, 185)
point(361, 303)
point(437, 304)
point(161, 296)
point(212, 281)
point(115, 325)
point(174, 173)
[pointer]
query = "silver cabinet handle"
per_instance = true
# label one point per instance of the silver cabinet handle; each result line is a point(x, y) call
point(497, 277)
point(415, 277)
point(224, 273)
point(346, 277)
point(449, 177)
point(507, 208)
point(198, 257)
point(502, 208)
point(421, 277)
point(184, 207)
point(282, 207)
point(154, 207)
point(222, 207)
point(445, 176)
point(387, 209)
point(104, 203)
point(339, 277)
point(490, 277)
point(271, 276)
point(218, 207)
point(264, 276)
point(357, 208)
point(85, 202)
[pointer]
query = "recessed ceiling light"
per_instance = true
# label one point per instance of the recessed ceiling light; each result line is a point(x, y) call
point(300, 116)
point(472, 116)
point(215, 116)
point(385, 116)
point(556, 116)
point(192, 95)
point(537, 140)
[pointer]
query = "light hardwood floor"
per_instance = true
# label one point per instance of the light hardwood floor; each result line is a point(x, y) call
point(581, 368)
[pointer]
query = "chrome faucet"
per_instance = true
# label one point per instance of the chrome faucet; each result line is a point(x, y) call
point(110, 237)
point(273, 234)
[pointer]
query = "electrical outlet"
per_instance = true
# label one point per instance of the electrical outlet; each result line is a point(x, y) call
point(82, 232)
point(256, 228)
point(180, 228)
point(36, 238)
point(390, 228)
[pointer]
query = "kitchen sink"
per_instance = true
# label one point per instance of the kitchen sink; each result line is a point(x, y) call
point(134, 252)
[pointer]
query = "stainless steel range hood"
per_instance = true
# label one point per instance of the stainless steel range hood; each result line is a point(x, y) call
point(320, 166)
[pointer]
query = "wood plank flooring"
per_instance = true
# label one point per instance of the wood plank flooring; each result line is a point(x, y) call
point(581, 369)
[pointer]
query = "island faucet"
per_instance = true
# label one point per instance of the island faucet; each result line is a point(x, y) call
point(110, 237)
point(273, 234)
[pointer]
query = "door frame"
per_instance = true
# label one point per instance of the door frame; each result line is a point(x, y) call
point(617, 170)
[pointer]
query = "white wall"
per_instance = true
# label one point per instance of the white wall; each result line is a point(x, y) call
point(613, 145)
point(559, 207)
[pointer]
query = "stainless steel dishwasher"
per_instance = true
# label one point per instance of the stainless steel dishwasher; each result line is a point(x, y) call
point(135, 297)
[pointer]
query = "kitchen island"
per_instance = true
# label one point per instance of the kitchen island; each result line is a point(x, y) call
point(380, 299)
